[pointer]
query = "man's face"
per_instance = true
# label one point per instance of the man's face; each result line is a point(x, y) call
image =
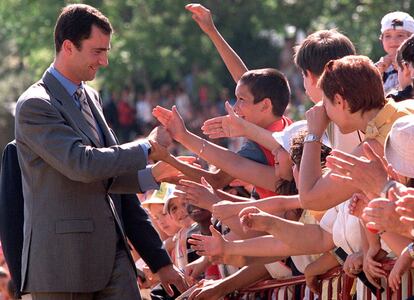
point(92, 55)
point(311, 88)
point(245, 106)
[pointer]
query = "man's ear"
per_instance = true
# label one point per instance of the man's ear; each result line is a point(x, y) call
point(68, 47)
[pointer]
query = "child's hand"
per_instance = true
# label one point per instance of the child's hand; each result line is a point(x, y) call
point(402, 265)
point(372, 268)
point(384, 63)
point(252, 218)
point(353, 264)
point(208, 245)
point(357, 204)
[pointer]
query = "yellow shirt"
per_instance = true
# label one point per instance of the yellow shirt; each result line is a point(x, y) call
point(379, 127)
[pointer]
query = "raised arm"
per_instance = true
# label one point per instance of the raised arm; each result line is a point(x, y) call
point(319, 191)
point(203, 18)
point(238, 167)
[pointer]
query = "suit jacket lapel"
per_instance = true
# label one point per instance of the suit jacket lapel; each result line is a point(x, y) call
point(66, 101)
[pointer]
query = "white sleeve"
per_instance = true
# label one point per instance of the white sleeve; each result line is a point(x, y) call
point(328, 219)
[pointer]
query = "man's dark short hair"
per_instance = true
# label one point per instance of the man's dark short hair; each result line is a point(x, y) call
point(268, 83)
point(75, 24)
point(319, 48)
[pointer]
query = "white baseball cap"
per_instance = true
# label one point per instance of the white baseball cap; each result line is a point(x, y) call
point(397, 20)
point(399, 150)
point(284, 137)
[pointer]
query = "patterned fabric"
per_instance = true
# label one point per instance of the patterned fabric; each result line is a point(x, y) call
point(379, 127)
point(87, 113)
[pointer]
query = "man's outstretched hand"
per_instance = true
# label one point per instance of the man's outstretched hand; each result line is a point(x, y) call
point(171, 275)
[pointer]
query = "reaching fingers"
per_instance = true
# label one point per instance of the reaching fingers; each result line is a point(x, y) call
point(248, 210)
point(189, 183)
point(341, 165)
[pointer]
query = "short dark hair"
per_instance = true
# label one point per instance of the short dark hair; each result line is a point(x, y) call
point(357, 80)
point(319, 48)
point(268, 83)
point(75, 24)
point(407, 50)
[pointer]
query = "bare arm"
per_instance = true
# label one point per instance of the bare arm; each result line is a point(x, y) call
point(228, 161)
point(317, 191)
point(233, 126)
point(233, 62)
point(296, 235)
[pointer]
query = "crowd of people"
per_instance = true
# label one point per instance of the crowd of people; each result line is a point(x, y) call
point(295, 198)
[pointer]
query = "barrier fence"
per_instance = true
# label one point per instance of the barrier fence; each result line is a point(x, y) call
point(335, 285)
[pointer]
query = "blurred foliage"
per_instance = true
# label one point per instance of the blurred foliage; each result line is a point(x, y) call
point(156, 41)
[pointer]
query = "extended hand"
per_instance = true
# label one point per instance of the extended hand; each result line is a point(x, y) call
point(252, 218)
point(225, 126)
point(160, 135)
point(202, 16)
point(171, 275)
point(198, 194)
point(158, 152)
point(162, 171)
point(227, 209)
point(172, 121)
point(368, 174)
point(208, 245)
point(381, 215)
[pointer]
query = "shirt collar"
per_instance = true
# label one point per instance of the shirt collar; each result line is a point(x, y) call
point(69, 86)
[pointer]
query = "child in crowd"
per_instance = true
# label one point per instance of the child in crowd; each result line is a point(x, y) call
point(396, 27)
point(405, 82)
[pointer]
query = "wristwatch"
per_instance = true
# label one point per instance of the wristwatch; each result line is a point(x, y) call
point(310, 137)
point(410, 249)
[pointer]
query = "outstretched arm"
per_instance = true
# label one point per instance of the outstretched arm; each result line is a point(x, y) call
point(296, 235)
point(228, 161)
point(203, 18)
point(233, 126)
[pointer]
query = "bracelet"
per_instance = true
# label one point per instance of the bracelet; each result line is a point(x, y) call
point(387, 186)
point(203, 146)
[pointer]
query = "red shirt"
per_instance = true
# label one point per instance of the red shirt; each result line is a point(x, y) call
point(276, 126)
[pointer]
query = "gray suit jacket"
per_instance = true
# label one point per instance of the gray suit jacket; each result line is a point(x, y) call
point(69, 231)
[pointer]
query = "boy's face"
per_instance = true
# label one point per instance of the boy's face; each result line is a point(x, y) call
point(310, 83)
point(178, 211)
point(164, 221)
point(283, 164)
point(392, 39)
point(245, 106)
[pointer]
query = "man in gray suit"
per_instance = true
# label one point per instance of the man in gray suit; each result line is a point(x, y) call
point(74, 244)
